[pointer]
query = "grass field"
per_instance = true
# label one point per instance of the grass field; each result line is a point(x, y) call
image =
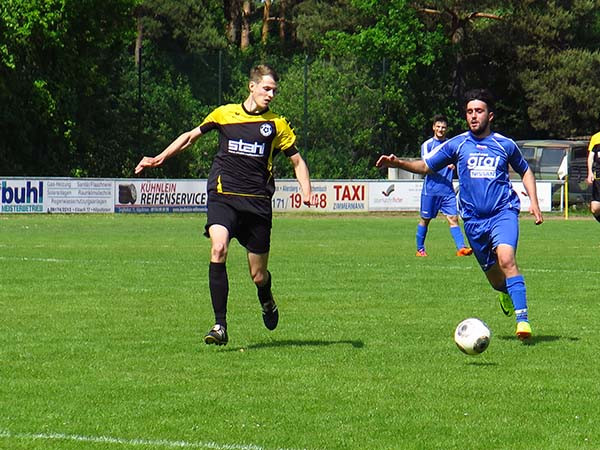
point(102, 318)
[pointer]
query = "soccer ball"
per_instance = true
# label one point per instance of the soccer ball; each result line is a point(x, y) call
point(472, 336)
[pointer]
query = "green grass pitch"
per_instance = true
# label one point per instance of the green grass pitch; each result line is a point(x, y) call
point(102, 319)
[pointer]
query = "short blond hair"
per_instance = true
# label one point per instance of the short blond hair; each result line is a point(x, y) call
point(258, 72)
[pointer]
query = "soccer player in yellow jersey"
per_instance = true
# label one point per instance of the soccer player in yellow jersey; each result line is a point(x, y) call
point(594, 179)
point(240, 187)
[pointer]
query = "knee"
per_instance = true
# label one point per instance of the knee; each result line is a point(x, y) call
point(259, 277)
point(452, 221)
point(218, 252)
point(507, 265)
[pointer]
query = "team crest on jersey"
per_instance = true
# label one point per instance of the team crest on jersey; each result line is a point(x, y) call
point(481, 165)
point(266, 129)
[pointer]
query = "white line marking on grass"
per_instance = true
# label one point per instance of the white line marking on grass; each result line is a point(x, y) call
point(591, 272)
point(23, 258)
point(407, 266)
point(121, 441)
point(78, 261)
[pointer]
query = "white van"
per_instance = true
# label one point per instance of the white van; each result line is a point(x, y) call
point(545, 158)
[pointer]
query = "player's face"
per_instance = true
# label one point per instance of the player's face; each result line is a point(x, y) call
point(439, 130)
point(263, 91)
point(479, 118)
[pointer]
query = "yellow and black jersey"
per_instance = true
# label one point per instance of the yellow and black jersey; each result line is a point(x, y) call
point(243, 166)
point(594, 146)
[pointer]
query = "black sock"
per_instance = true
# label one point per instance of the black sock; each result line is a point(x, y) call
point(597, 217)
point(219, 290)
point(264, 291)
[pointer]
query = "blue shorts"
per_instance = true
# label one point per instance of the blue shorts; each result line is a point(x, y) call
point(432, 204)
point(485, 235)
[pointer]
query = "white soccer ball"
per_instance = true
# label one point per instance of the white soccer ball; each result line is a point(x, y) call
point(472, 336)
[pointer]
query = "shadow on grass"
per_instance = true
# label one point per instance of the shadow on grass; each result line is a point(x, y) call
point(296, 343)
point(481, 363)
point(539, 339)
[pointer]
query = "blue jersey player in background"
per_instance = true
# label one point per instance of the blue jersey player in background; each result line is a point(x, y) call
point(488, 204)
point(438, 194)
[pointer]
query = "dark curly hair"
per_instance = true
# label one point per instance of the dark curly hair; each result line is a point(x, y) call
point(482, 95)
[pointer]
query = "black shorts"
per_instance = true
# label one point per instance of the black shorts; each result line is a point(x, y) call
point(596, 191)
point(252, 230)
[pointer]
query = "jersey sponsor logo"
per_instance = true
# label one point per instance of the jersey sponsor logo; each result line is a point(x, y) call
point(266, 129)
point(244, 148)
point(481, 165)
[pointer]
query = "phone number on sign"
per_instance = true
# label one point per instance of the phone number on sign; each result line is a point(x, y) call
point(295, 201)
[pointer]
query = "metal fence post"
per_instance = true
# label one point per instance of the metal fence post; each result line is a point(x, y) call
point(220, 84)
point(305, 111)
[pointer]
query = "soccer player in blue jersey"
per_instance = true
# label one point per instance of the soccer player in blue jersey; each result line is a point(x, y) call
point(438, 194)
point(488, 204)
point(240, 186)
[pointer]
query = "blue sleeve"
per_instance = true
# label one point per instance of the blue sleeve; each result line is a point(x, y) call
point(423, 149)
point(516, 160)
point(441, 156)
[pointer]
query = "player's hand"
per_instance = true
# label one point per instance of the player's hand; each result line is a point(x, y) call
point(309, 199)
point(386, 161)
point(535, 212)
point(144, 163)
point(590, 179)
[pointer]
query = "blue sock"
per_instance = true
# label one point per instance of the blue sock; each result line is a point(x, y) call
point(516, 289)
point(421, 233)
point(458, 237)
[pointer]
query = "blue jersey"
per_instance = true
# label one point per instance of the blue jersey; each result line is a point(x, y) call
point(439, 182)
point(485, 188)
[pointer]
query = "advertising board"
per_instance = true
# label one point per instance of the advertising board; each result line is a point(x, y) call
point(81, 195)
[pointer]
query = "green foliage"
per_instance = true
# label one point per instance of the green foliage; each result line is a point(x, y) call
point(570, 75)
point(169, 109)
point(24, 21)
point(557, 65)
point(402, 56)
point(342, 116)
point(315, 18)
point(190, 26)
point(60, 64)
point(395, 34)
point(378, 71)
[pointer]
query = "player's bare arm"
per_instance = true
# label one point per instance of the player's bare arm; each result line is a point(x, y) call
point(417, 166)
point(303, 177)
point(530, 187)
point(181, 143)
point(590, 165)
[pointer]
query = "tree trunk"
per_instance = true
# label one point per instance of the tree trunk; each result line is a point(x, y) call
point(138, 43)
point(282, 20)
point(265, 24)
point(232, 9)
point(245, 36)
